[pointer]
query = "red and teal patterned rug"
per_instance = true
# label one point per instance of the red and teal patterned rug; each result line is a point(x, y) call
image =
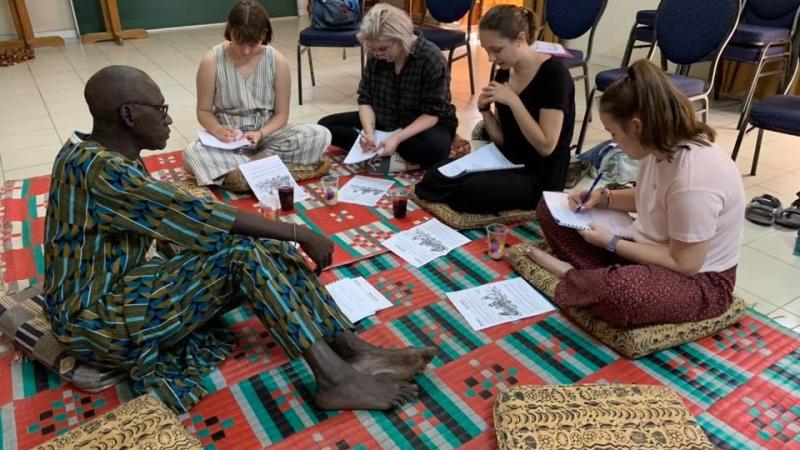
point(743, 384)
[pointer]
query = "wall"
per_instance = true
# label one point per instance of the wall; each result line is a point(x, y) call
point(48, 17)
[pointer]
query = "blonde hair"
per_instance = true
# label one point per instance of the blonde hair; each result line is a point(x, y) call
point(385, 22)
point(667, 116)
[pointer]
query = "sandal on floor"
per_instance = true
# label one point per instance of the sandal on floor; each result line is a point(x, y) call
point(790, 217)
point(763, 210)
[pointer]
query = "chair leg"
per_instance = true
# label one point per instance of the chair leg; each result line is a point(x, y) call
point(362, 59)
point(311, 66)
point(471, 75)
point(585, 123)
point(492, 71)
point(344, 52)
point(739, 139)
point(758, 150)
point(585, 67)
point(706, 105)
point(299, 75)
point(626, 58)
point(748, 101)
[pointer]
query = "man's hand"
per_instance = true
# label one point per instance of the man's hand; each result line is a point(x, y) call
point(317, 247)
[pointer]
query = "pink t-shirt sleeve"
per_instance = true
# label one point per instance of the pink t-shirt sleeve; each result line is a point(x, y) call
point(694, 215)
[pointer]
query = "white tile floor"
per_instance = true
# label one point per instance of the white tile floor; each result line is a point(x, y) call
point(43, 102)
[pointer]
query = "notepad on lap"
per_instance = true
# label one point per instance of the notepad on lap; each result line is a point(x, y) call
point(551, 48)
point(484, 159)
point(620, 223)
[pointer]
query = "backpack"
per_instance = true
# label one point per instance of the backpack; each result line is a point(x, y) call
point(617, 167)
point(339, 15)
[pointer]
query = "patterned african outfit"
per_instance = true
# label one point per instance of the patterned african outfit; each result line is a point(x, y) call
point(159, 318)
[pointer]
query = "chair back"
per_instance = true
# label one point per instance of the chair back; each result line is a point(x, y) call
point(446, 11)
point(570, 19)
point(690, 31)
point(771, 13)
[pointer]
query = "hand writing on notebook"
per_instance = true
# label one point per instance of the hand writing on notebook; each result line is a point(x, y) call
point(575, 198)
point(597, 235)
point(226, 134)
point(366, 140)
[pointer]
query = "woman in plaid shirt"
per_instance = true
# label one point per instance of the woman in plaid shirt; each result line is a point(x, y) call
point(405, 87)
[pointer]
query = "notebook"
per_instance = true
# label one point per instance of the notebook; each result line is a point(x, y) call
point(620, 223)
point(551, 48)
point(483, 159)
point(210, 140)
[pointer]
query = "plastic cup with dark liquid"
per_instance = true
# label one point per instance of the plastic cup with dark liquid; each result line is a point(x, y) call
point(286, 197)
point(399, 198)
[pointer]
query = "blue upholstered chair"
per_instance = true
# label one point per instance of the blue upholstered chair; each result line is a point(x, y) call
point(687, 32)
point(312, 37)
point(446, 11)
point(764, 34)
point(571, 19)
point(779, 113)
point(643, 30)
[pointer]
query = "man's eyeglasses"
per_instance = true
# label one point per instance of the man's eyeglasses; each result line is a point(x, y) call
point(163, 109)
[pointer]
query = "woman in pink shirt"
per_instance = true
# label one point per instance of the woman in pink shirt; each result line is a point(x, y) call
point(689, 200)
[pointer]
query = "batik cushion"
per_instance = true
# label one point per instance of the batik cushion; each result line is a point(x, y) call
point(631, 342)
point(234, 181)
point(468, 221)
point(142, 423)
point(22, 318)
point(595, 416)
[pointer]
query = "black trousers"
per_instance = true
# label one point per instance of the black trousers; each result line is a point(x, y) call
point(482, 192)
point(425, 149)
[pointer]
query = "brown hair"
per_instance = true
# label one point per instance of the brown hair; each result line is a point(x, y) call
point(667, 116)
point(248, 23)
point(509, 21)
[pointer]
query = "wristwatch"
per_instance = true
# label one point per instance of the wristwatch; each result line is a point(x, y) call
point(612, 244)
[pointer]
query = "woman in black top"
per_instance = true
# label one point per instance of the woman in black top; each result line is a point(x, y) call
point(534, 99)
point(405, 86)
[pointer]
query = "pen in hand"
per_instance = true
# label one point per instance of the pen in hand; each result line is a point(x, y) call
point(364, 137)
point(589, 192)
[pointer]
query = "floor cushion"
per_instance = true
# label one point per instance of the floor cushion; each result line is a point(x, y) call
point(632, 342)
point(143, 423)
point(595, 416)
point(468, 221)
point(22, 318)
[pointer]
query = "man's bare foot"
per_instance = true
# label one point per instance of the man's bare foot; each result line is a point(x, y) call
point(355, 390)
point(549, 262)
point(400, 364)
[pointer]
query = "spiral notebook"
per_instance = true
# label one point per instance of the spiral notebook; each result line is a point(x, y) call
point(620, 223)
point(484, 159)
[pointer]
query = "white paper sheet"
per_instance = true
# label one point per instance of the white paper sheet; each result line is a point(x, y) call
point(425, 242)
point(358, 154)
point(620, 223)
point(357, 298)
point(210, 140)
point(500, 302)
point(551, 48)
point(486, 158)
point(266, 175)
point(365, 191)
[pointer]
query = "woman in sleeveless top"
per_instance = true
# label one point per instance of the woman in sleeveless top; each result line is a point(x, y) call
point(243, 88)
